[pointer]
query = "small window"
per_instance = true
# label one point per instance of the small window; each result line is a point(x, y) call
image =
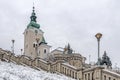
point(109, 78)
point(34, 45)
point(45, 51)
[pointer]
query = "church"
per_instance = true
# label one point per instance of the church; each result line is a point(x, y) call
point(35, 46)
point(34, 42)
point(64, 61)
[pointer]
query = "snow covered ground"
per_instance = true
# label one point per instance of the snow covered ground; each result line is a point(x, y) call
point(10, 71)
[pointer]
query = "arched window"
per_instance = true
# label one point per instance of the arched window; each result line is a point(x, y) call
point(45, 50)
point(65, 70)
point(34, 45)
point(92, 75)
point(73, 74)
point(76, 75)
point(85, 76)
point(88, 76)
point(70, 73)
point(104, 77)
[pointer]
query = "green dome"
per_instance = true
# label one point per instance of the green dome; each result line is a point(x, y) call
point(33, 24)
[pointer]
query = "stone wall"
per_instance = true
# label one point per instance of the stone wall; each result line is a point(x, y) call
point(38, 63)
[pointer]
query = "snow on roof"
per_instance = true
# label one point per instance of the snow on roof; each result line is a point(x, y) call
point(59, 49)
point(69, 65)
point(109, 71)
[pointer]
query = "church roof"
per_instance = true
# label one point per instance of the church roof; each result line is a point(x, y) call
point(43, 40)
point(68, 49)
point(106, 60)
point(33, 22)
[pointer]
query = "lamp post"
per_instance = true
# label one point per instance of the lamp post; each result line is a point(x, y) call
point(98, 36)
point(13, 41)
point(37, 40)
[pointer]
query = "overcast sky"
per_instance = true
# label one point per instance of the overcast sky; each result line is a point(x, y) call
point(65, 21)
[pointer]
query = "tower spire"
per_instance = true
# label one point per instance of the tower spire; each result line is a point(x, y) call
point(33, 8)
point(33, 16)
point(33, 22)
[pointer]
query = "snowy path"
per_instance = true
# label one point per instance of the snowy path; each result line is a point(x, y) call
point(10, 71)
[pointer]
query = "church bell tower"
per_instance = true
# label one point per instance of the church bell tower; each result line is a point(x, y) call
point(34, 42)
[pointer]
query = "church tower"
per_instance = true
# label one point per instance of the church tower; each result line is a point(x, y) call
point(34, 42)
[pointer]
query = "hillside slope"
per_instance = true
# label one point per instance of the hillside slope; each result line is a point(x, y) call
point(10, 71)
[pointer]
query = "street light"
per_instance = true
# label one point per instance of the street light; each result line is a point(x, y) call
point(37, 40)
point(98, 36)
point(13, 41)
